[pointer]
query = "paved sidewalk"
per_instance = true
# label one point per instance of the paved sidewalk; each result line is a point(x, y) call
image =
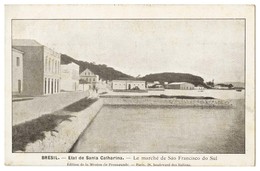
point(31, 109)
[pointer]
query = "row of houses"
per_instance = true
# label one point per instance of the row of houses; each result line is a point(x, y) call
point(38, 70)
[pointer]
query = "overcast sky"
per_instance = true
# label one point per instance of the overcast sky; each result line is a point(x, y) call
point(212, 49)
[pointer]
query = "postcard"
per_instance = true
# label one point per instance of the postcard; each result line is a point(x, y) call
point(130, 85)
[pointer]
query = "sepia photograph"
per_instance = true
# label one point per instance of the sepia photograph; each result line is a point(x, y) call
point(146, 85)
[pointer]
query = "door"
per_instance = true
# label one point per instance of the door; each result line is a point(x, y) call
point(129, 86)
point(19, 86)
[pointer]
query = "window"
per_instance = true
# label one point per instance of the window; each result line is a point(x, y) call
point(58, 67)
point(53, 66)
point(49, 86)
point(17, 61)
point(46, 64)
point(45, 86)
point(49, 65)
point(19, 86)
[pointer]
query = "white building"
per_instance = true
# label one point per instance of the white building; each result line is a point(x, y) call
point(180, 86)
point(88, 79)
point(152, 84)
point(52, 73)
point(128, 85)
point(199, 87)
point(69, 77)
point(220, 87)
point(17, 71)
point(149, 84)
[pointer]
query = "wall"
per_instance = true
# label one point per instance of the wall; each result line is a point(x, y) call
point(67, 133)
point(187, 86)
point(17, 71)
point(33, 69)
point(133, 84)
point(84, 87)
point(69, 77)
point(127, 84)
point(119, 85)
point(151, 101)
point(182, 86)
point(199, 88)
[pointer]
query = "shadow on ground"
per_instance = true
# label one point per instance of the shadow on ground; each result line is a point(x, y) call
point(80, 105)
point(33, 130)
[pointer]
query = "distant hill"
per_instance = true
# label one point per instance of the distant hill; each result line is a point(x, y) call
point(109, 73)
point(175, 77)
point(104, 72)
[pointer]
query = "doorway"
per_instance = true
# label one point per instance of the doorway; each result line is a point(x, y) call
point(19, 86)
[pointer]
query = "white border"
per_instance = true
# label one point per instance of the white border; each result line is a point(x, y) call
point(102, 2)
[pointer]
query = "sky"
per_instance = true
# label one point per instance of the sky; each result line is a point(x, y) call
point(212, 49)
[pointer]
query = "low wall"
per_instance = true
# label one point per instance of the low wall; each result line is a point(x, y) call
point(67, 132)
point(151, 101)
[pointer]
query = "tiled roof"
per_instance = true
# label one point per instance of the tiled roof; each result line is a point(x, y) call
point(25, 42)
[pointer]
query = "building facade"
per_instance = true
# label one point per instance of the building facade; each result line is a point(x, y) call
point(17, 71)
point(52, 74)
point(89, 79)
point(199, 87)
point(128, 85)
point(41, 68)
point(69, 77)
point(220, 87)
point(180, 86)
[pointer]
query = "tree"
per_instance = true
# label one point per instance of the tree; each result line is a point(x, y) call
point(230, 86)
point(210, 83)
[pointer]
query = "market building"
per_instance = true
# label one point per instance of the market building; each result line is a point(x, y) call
point(41, 68)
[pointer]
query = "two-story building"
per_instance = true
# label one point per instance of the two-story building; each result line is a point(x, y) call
point(88, 78)
point(41, 68)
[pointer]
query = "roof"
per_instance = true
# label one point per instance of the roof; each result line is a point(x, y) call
point(25, 42)
point(86, 70)
point(16, 50)
point(69, 63)
point(130, 80)
point(177, 83)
